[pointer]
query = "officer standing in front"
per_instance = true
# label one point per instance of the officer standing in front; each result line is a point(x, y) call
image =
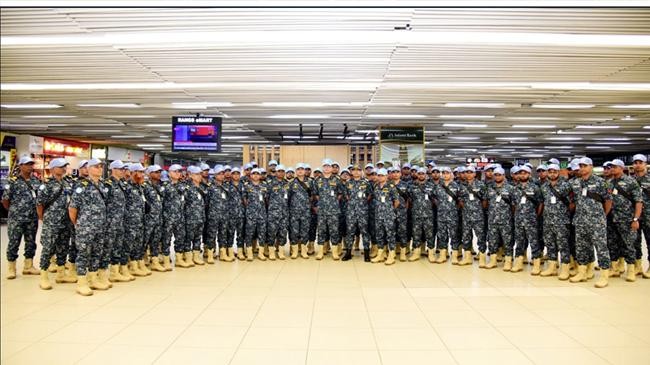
point(386, 202)
point(640, 165)
point(357, 193)
point(327, 192)
point(278, 213)
point(556, 222)
point(300, 192)
point(421, 196)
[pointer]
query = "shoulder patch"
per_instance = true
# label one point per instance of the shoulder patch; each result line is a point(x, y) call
point(79, 190)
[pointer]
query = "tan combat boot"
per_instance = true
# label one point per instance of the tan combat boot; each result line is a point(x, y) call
point(209, 259)
point(124, 270)
point(380, 256)
point(62, 278)
point(143, 267)
point(391, 258)
point(482, 260)
point(564, 272)
point(304, 251)
point(319, 255)
point(374, 249)
point(467, 259)
point(507, 266)
point(581, 275)
point(72, 272)
point(402, 254)
point(500, 254)
point(231, 253)
point(603, 281)
point(29, 269)
point(537, 267)
point(614, 270)
point(493, 261)
point(102, 276)
point(590, 270)
point(187, 257)
point(196, 258)
point(573, 266)
point(631, 273)
point(44, 283)
point(260, 253)
point(294, 251)
point(335, 253)
point(280, 251)
point(518, 265)
point(52, 267)
point(272, 255)
point(156, 266)
point(180, 262)
point(551, 270)
point(135, 269)
point(310, 247)
point(95, 283)
point(115, 275)
point(454, 257)
point(415, 255)
point(167, 263)
point(11, 270)
point(442, 257)
point(249, 253)
point(240, 254)
point(223, 256)
point(638, 265)
point(82, 286)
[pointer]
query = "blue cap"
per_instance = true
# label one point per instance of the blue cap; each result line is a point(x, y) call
point(25, 160)
point(499, 171)
point(57, 162)
point(82, 164)
point(175, 167)
point(94, 162)
point(326, 162)
point(640, 157)
point(136, 167)
point(116, 165)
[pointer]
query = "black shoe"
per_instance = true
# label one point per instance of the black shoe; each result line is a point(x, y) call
point(348, 255)
point(366, 254)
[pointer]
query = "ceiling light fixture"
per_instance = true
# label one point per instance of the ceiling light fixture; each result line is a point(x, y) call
point(395, 116)
point(466, 116)
point(48, 116)
point(534, 126)
point(475, 105)
point(31, 106)
point(124, 105)
point(597, 127)
point(299, 116)
point(563, 106)
point(464, 125)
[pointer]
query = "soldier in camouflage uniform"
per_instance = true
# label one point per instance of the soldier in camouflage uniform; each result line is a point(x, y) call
point(136, 207)
point(174, 218)
point(255, 200)
point(528, 206)
point(593, 202)
point(626, 212)
point(556, 222)
point(19, 198)
point(421, 196)
point(217, 217)
point(82, 170)
point(643, 179)
point(313, 222)
point(344, 177)
point(386, 200)
point(401, 220)
point(447, 200)
point(474, 197)
point(328, 191)
point(194, 216)
point(300, 191)
point(357, 193)
point(371, 175)
point(52, 207)
point(88, 213)
point(153, 192)
point(278, 213)
point(236, 215)
point(114, 250)
point(501, 202)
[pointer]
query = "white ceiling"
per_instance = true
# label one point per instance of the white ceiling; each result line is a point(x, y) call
point(357, 63)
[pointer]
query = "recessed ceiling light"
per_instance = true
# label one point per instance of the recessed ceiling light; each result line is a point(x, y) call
point(563, 106)
point(131, 116)
point(612, 139)
point(597, 126)
point(31, 106)
point(630, 106)
point(299, 116)
point(464, 125)
point(150, 145)
point(563, 138)
point(159, 125)
point(48, 116)
point(475, 105)
point(511, 138)
point(396, 116)
point(534, 126)
point(200, 105)
point(466, 116)
point(127, 136)
point(123, 105)
point(463, 137)
point(597, 147)
point(533, 118)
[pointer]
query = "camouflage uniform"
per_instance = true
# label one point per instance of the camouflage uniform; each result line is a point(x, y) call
point(402, 235)
point(421, 196)
point(217, 217)
point(527, 199)
point(357, 193)
point(313, 219)
point(385, 214)
point(205, 186)
point(448, 219)
point(194, 216)
point(134, 220)
point(300, 210)
point(328, 191)
point(236, 214)
point(114, 251)
point(501, 200)
point(22, 221)
point(173, 218)
point(153, 219)
point(54, 196)
point(278, 212)
point(625, 193)
point(255, 197)
point(589, 220)
point(644, 182)
point(556, 219)
point(72, 247)
point(89, 200)
point(473, 196)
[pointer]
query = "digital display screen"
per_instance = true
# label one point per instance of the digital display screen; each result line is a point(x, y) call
point(196, 133)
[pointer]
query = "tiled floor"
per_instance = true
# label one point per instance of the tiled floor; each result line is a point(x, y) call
point(311, 312)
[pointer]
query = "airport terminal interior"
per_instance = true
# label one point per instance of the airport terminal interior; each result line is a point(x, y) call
point(412, 122)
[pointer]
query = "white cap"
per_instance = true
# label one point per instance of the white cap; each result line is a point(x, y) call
point(553, 166)
point(585, 161)
point(345, 171)
point(369, 165)
point(82, 164)
point(153, 168)
point(248, 166)
point(499, 171)
point(326, 162)
point(406, 165)
point(217, 166)
point(379, 162)
point(236, 169)
point(227, 167)
point(470, 169)
point(542, 167)
point(280, 167)
point(25, 160)
point(300, 165)
point(136, 167)
point(307, 166)
point(445, 169)
point(116, 165)
point(415, 167)
point(273, 162)
point(290, 169)
point(382, 171)
point(514, 169)
point(554, 161)
point(256, 171)
point(219, 170)
point(262, 170)
point(94, 162)
point(254, 164)
point(422, 170)
point(211, 172)
point(618, 163)
point(525, 168)
point(175, 167)
point(57, 162)
point(639, 157)
point(318, 169)
point(194, 170)
point(336, 163)
point(204, 166)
